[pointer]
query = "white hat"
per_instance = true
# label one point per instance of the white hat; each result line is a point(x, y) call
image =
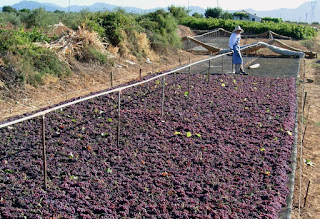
point(238, 28)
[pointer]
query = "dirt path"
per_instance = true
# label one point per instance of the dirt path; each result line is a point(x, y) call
point(311, 147)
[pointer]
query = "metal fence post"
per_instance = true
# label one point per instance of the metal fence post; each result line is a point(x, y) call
point(44, 154)
point(162, 101)
point(118, 131)
point(208, 75)
point(140, 74)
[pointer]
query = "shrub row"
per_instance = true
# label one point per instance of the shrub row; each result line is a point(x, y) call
point(292, 30)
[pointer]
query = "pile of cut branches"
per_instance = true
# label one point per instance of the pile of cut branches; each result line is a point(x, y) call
point(73, 43)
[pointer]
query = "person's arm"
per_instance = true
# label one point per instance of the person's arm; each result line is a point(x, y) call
point(232, 40)
point(236, 46)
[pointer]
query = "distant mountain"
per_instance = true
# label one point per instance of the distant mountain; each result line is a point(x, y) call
point(196, 9)
point(93, 8)
point(33, 5)
point(76, 8)
point(307, 12)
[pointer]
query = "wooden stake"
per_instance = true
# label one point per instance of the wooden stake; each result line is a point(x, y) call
point(162, 101)
point(209, 70)
point(111, 79)
point(222, 64)
point(44, 154)
point(306, 125)
point(304, 103)
point(305, 198)
point(118, 131)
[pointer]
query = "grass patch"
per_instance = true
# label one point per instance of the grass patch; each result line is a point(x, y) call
point(34, 63)
point(309, 44)
point(90, 54)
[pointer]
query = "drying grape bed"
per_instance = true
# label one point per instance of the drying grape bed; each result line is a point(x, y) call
point(221, 151)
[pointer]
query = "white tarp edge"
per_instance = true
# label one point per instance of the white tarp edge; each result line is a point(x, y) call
point(276, 49)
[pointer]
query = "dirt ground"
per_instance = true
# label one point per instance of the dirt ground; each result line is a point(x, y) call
point(309, 201)
point(90, 78)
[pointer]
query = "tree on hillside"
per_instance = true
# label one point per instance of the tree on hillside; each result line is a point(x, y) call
point(25, 10)
point(178, 12)
point(213, 12)
point(271, 19)
point(197, 15)
point(9, 9)
point(59, 11)
point(227, 16)
point(241, 15)
point(37, 18)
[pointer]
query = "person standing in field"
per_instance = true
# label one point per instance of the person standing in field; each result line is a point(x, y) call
point(234, 45)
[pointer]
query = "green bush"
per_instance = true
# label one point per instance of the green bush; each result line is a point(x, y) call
point(72, 20)
point(8, 9)
point(119, 26)
point(197, 15)
point(33, 62)
point(271, 19)
point(178, 12)
point(112, 25)
point(12, 40)
point(213, 12)
point(42, 19)
point(226, 16)
point(41, 61)
point(241, 15)
point(161, 28)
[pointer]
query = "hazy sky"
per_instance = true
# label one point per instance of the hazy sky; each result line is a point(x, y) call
point(145, 4)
